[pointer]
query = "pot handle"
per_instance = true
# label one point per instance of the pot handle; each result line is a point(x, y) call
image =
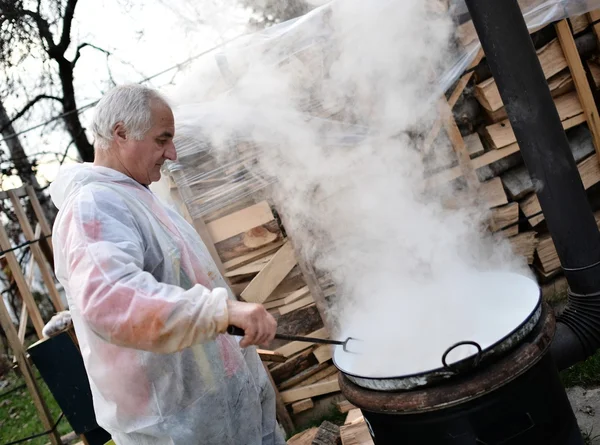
point(476, 360)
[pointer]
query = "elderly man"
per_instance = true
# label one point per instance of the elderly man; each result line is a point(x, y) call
point(149, 306)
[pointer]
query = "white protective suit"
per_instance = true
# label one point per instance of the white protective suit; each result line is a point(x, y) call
point(149, 307)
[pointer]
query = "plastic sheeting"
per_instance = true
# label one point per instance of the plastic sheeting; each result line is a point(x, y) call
point(149, 307)
point(218, 152)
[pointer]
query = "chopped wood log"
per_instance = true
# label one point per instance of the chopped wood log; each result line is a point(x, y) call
point(354, 416)
point(302, 376)
point(304, 438)
point(314, 390)
point(492, 192)
point(323, 353)
point(511, 231)
point(247, 242)
point(344, 406)
point(328, 434)
point(504, 216)
point(302, 405)
point(546, 252)
point(579, 23)
point(296, 346)
point(294, 365)
point(271, 275)
point(274, 304)
point(552, 60)
point(300, 322)
point(474, 145)
point(589, 170)
point(569, 109)
point(296, 305)
point(240, 221)
point(524, 244)
point(328, 374)
point(252, 268)
point(248, 258)
point(356, 434)
point(271, 356)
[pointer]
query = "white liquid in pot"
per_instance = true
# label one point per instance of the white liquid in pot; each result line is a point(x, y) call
point(410, 333)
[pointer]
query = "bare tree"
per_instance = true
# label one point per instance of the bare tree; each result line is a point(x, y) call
point(43, 28)
point(275, 11)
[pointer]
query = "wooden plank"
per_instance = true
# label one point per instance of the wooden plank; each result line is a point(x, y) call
point(40, 215)
point(314, 390)
point(302, 376)
point(240, 221)
point(569, 109)
point(36, 251)
point(296, 305)
point(270, 356)
point(302, 405)
point(329, 373)
point(474, 145)
point(582, 86)
point(26, 371)
point(17, 273)
point(273, 273)
point(274, 304)
point(251, 268)
point(294, 365)
point(547, 254)
point(257, 254)
point(21, 192)
point(296, 295)
point(282, 413)
point(295, 347)
point(458, 144)
point(24, 318)
point(552, 60)
point(323, 353)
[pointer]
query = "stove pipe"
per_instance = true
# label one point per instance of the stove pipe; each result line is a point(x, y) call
point(516, 68)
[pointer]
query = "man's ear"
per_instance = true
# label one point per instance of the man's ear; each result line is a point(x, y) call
point(119, 133)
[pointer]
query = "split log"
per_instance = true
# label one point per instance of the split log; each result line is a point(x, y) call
point(294, 365)
point(303, 376)
point(354, 416)
point(579, 23)
point(327, 374)
point(300, 322)
point(474, 145)
point(302, 405)
point(323, 353)
point(552, 60)
point(328, 434)
point(249, 241)
point(303, 302)
point(252, 256)
point(504, 216)
point(356, 434)
point(569, 109)
point(296, 346)
point(270, 356)
point(240, 221)
point(314, 390)
point(345, 406)
point(304, 438)
point(589, 170)
point(524, 245)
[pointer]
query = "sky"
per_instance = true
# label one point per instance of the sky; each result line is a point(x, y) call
point(145, 37)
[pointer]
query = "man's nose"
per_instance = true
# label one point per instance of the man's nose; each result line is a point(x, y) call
point(171, 152)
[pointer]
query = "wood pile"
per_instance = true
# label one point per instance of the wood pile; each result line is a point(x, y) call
point(255, 253)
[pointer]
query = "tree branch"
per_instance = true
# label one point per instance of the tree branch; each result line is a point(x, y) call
point(44, 30)
point(83, 45)
point(65, 39)
point(28, 107)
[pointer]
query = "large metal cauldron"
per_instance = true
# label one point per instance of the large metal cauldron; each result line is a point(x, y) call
point(517, 399)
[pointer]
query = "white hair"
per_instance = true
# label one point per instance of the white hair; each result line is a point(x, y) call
point(129, 104)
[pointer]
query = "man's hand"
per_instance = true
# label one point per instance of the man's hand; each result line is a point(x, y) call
point(259, 325)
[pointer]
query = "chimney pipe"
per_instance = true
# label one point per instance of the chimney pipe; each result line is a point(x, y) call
point(545, 149)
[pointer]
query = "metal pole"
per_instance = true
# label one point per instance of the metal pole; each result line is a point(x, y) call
point(545, 149)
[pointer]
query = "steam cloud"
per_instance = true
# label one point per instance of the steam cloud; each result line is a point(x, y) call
point(335, 129)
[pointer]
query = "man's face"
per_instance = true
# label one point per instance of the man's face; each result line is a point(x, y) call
point(143, 159)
